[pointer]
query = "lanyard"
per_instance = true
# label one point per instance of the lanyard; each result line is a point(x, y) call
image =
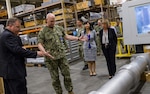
point(89, 46)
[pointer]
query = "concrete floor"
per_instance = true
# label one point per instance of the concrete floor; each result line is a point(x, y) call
point(39, 80)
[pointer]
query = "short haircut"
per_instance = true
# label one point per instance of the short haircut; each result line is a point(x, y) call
point(99, 20)
point(11, 21)
point(80, 20)
point(50, 15)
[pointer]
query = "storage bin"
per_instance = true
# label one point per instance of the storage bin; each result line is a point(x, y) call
point(22, 8)
point(60, 11)
point(86, 4)
point(98, 2)
point(60, 17)
point(33, 23)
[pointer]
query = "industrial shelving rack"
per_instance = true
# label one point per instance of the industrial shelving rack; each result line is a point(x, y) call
point(73, 53)
point(68, 24)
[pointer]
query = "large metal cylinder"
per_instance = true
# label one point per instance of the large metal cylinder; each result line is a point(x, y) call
point(118, 84)
point(127, 77)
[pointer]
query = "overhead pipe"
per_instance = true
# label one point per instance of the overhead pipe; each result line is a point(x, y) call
point(127, 77)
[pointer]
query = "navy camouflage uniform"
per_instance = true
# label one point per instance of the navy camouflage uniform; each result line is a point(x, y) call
point(53, 40)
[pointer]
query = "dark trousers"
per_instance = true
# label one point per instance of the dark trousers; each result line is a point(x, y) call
point(109, 54)
point(15, 86)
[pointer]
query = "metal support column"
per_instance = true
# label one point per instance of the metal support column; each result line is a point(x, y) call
point(8, 4)
point(64, 15)
point(102, 11)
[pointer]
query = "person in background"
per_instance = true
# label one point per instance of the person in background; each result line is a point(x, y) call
point(80, 28)
point(113, 27)
point(97, 28)
point(1, 28)
point(90, 48)
point(119, 32)
point(118, 29)
point(109, 41)
point(12, 58)
point(51, 39)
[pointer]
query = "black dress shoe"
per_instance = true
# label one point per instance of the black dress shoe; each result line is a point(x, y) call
point(110, 77)
point(85, 67)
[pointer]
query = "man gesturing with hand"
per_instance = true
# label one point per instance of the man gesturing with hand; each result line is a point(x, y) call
point(12, 58)
point(50, 42)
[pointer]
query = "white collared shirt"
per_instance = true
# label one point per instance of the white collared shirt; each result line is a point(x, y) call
point(105, 37)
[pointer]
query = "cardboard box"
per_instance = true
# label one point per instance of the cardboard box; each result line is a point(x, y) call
point(79, 6)
point(145, 76)
point(3, 13)
point(60, 11)
point(146, 48)
point(98, 2)
point(148, 77)
point(33, 23)
point(83, 5)
point(86, 4)
point(72, 8)
point(60, 17)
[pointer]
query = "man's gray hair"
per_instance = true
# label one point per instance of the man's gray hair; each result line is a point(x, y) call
point(11, 21)
point(50, 15)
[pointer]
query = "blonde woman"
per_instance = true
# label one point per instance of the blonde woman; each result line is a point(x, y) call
point(109, 41)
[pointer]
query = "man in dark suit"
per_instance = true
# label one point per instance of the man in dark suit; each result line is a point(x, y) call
point(108, 41)
point(12, 58)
